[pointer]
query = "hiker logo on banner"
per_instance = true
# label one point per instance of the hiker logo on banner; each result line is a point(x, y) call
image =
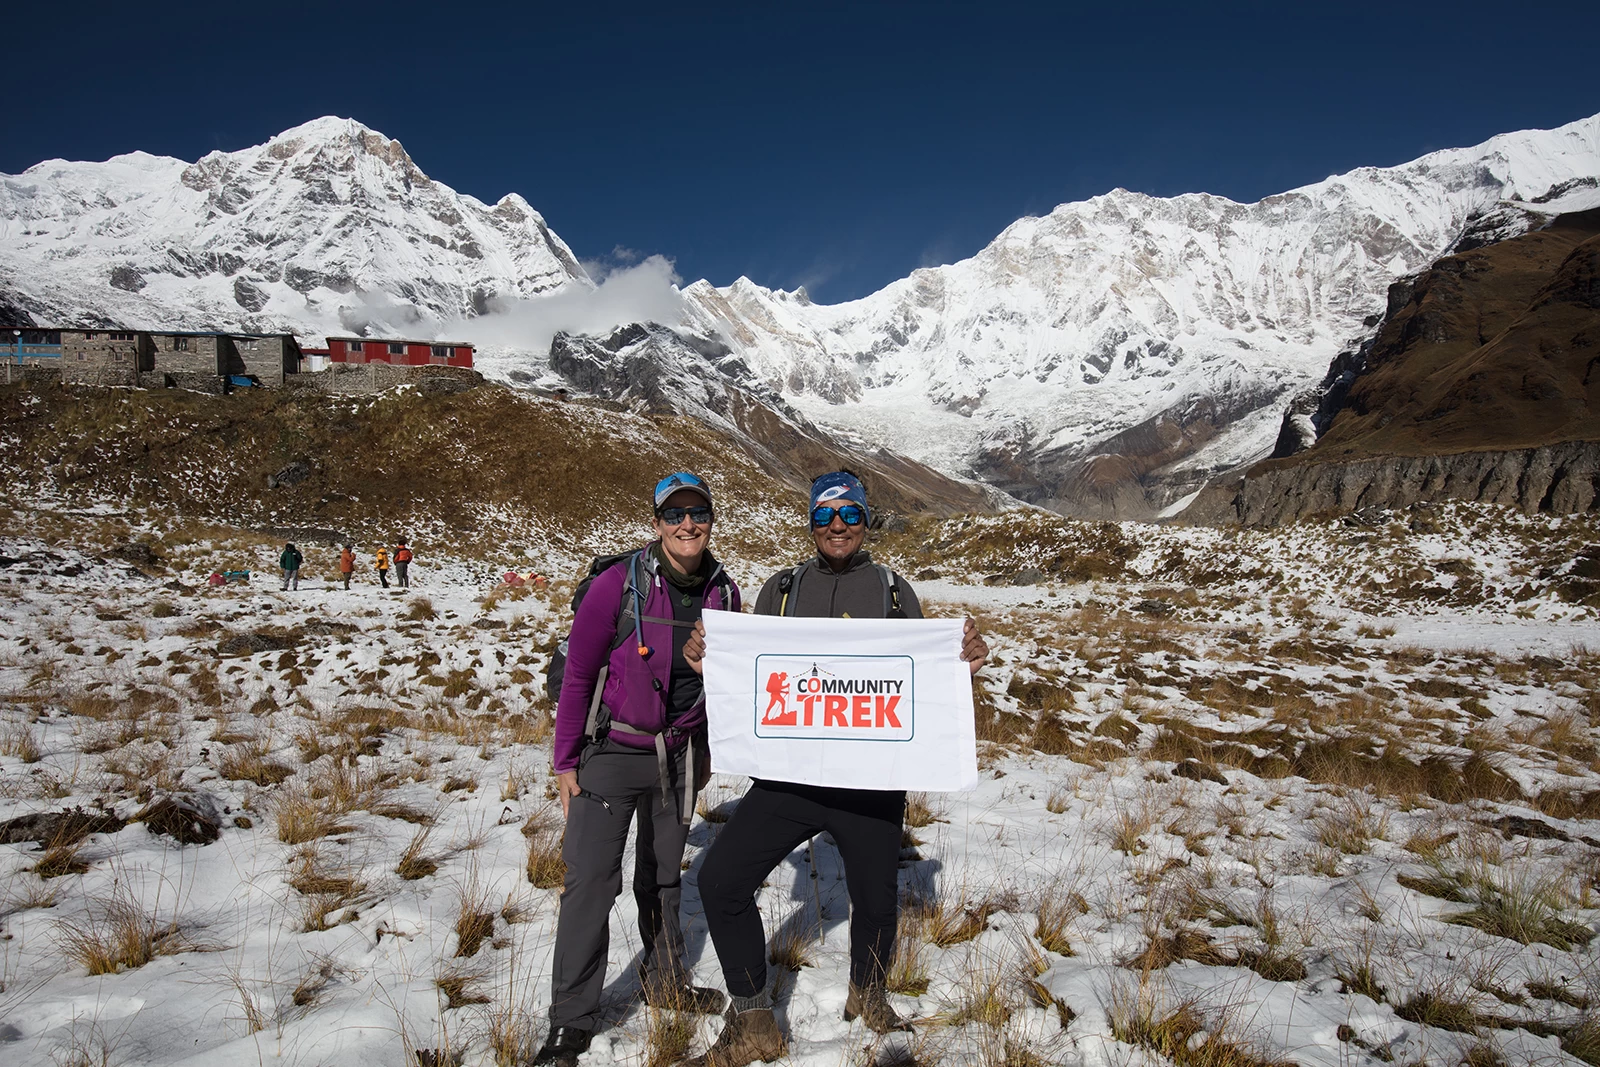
point(856, 698)
point(855, 703)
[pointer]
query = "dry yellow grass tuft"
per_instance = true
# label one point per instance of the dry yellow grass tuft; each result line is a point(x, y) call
point(20, 741)
point(118, 935)
point(546, 869)
point(1352, 825)
point(945, 923)
point(988, 997)
point(474, 918)
point(414, 863)
point(793, 947)
point(1180, 1029)
point(458, 987)
point(61, 858)
point(921, 812)
point(421, 610)
point(248, 762)
point(1058, 906)
point(513, 1036)
point(669, 1033)
point(301, 818)
point(908, 971)
point(311, 876)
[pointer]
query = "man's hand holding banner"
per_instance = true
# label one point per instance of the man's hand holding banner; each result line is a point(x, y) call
point(858, 703)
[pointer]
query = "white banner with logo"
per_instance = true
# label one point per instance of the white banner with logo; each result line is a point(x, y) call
point(861, 703)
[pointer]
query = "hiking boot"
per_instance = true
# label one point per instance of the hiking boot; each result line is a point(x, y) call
point(749, 1036)
point(698, 999)
point(563, 1047)
point(872, 1004)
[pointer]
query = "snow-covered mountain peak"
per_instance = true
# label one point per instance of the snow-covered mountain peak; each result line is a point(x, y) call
point(329, 226)
point(1166, 332)
point(1160, 338)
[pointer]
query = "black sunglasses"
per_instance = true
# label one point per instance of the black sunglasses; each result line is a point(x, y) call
point(700, 513)
point(850, 513)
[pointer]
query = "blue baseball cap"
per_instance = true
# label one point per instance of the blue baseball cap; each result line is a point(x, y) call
point(837, 487)
point(681, 480)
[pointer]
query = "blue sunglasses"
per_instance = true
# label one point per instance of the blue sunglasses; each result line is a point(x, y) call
point(852, 515)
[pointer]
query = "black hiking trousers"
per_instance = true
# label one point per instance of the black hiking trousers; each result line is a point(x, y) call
point(621, 790)
point(773, 819)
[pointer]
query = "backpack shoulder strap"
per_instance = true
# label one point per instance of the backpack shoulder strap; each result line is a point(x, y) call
point(628, 614)
point(788, 586)
point(891, 592)
point(721, 583)
point(631, 612)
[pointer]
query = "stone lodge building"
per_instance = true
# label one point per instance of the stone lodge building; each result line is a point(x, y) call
point(208, 362)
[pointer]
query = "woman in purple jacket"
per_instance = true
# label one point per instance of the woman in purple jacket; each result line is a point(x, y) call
point(642, 764)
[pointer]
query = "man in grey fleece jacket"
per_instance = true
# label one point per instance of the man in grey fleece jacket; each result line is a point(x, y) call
point(840, 582)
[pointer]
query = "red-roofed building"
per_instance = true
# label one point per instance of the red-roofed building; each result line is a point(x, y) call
point(399, 353)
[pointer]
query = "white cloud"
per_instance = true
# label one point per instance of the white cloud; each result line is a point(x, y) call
point(643, 292)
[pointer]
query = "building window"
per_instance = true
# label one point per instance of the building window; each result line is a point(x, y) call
point(355, 346)
point(396, 349)
point(122, 357)
point(180, 344)
point(88, 337)
point(442, 351)
point(83, 357)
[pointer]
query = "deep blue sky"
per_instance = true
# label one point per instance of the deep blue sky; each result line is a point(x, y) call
point(838, 147)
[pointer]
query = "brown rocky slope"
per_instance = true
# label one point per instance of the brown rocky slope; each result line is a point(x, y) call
point(475, 469)
point(1483, 383)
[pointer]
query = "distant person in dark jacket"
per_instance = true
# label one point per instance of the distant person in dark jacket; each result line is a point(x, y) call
point(840, 582)
point(644, 765)
point(347, 564)
point(290, 562)
point(402, 564)
point(381, 561)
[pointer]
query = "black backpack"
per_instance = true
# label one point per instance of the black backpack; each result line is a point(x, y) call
point(557, 670)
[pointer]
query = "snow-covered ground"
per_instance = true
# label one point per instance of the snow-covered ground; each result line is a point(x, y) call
point(1319, 795)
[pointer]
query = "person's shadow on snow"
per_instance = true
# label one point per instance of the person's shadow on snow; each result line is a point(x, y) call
point(624, 989)
point(820, 891)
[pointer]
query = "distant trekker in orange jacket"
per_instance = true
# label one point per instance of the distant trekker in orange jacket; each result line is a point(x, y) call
point(402, 563)
point(347, 564)
point(382, 561)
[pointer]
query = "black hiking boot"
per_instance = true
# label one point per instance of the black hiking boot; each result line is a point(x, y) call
point(563, 1047)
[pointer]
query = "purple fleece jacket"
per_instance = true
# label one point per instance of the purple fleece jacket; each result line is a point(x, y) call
point(592, 633)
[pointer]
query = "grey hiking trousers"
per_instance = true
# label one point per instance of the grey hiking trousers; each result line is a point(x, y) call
point(621, 786)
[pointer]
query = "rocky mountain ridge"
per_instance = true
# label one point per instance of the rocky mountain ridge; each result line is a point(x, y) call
point(1107, 358)
point(331, 227)
point(1482, 383)
point(327, 227)
point(1104, 360)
